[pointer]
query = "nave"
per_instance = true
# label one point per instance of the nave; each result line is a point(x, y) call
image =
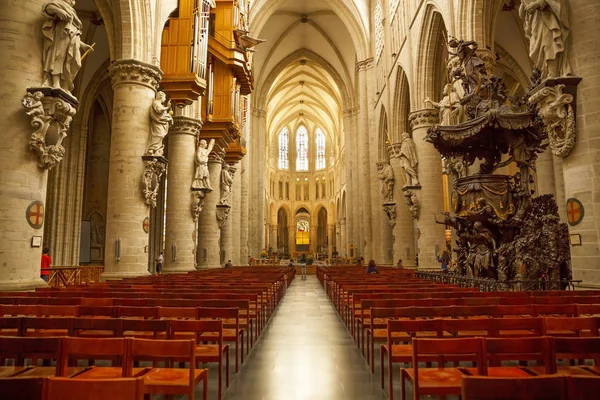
point(305, 353)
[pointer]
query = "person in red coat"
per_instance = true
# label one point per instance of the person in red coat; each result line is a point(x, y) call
point(46, 264)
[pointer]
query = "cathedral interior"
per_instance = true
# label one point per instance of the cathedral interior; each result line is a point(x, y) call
point(158, 139)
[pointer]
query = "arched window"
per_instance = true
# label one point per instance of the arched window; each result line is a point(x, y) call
point(302, 149)
point(320, 139)
point(283, 149)
point(302, 232)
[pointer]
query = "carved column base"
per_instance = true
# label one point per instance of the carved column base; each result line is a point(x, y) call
point(411, 196)
point(154, 168)
point(556, 100)
point(51, 111)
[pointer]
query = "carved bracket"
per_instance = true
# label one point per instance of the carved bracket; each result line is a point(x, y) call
point(390, 211)
point(222, 214)
point(557, 110)
point(51, 112)
point(412, 201)
point(198, 198)
point(155, 167)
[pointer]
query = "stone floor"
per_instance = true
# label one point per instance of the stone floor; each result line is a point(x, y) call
point(305, 353)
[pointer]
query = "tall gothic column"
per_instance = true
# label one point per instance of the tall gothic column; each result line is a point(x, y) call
point(404, 230)
point(236, 220)
point(22, 182)
point(366, 247)
point(273, 242)
point(209, 232)
point(330, 239)
point(134, 86)
point(245, 221)
point(180, 243)
point(431, 240)
point(292, 239)
point(545, 173)
point(580, 167)
point(342, 248)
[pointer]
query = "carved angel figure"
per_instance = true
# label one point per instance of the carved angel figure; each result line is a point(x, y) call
point(160, 121)
point(202, 176)
point(409, 161)
point(546, 25)
point(62, 44)
point(386, 175)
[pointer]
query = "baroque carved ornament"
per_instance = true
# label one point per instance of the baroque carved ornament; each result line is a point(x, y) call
point(51, 117)
point(390, 210)
point(135, 72)
point(154, 168)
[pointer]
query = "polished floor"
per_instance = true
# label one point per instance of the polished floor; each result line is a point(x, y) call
point(305, 353)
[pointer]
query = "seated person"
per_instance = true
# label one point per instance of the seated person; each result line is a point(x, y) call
point(372, 268)
point(400, 265)
point(291, 263)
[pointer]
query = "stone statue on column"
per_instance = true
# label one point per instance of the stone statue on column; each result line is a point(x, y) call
point(385, 172)
point(409, 161)
point(226, 183)
point(546, 24)
point(62, 44)
point(160, 121)
point(202, 176)
point(452, 112)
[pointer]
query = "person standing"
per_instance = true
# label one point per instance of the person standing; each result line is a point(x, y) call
point(303, 266)
point(444, 259)
point(159, 262)
point(46, 264)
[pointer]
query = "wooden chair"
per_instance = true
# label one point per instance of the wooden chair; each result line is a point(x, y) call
point(570, 326)
point(402, 331)
point(518, 327)
point(168, 380)
point(583, 387)
point(46, 327)
point(526, 388)
point(21, 388)
point(441, 381)
point(575, 349)
point(231, 331)
point(96, 327)
point(10, 326)
point(111, 349)
point(137, 312)
point(476, 327)
point(144, 328)
point(207, 352)
point(94, 389)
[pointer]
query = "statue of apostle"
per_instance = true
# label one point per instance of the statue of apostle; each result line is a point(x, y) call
point(202, 176)
point(160, 121)
point(62, 44)
point(409, 161)
point(546, 24)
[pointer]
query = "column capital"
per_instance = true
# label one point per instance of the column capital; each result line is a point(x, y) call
point(216, 157)
point(129, 71)
point(259, 113)
point(185, 126)
point(424, 118)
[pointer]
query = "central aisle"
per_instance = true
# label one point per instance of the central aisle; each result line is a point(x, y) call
point(305, 353)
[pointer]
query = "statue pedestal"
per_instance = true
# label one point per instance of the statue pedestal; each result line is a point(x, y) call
point(154, 168)
point(57, 93)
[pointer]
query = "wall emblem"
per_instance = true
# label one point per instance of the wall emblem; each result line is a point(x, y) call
point(146, 225)
point(575, 211)
point(35, 214)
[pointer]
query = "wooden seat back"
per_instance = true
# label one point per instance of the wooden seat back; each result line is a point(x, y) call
point(30, 388)
point(73, 349)
point(22, 348)
point(94, 389)
point(530, 388)
point(536, 349)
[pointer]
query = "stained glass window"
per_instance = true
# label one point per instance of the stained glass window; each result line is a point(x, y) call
point(302, 149)
point(302, 232)
point(283, 149)
point(320, 139)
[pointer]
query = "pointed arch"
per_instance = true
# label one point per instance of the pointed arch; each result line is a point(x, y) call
point(401, 106)
point(383, 134)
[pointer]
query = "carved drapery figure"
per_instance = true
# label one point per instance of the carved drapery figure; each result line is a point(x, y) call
point(62, 44)
point(390, 210)
point(385, 173)
point(546, 24)
point(409, 161)
point(226, 182)
point(451, 111)
point(202, 176)
point(160, 121)
point(469, 67)
point(412, 201)
point(484, 247)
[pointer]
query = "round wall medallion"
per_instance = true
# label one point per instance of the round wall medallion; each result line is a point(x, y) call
point(35, 214)
point(146, 225)
point(575, 211)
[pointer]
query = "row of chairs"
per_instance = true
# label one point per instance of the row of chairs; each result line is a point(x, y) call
point(125, 354)
point(488, 354)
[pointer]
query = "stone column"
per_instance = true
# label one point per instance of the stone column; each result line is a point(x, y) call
point(209, 232)
point(22, 182)
point(292, 239)
point(227, 238)
point(343, 246)
point(404, 230)
point(236, 221)
point(330, 237)
point(180, 244)
point(274, 243)
point(545, 174)
point(559, 185)
point(245, 221)
point(134, 86)
point(580, 167)
point(365, 248)
point(429, 233)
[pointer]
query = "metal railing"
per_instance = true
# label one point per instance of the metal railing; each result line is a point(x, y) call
point(67, 276)
point(492, 285)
